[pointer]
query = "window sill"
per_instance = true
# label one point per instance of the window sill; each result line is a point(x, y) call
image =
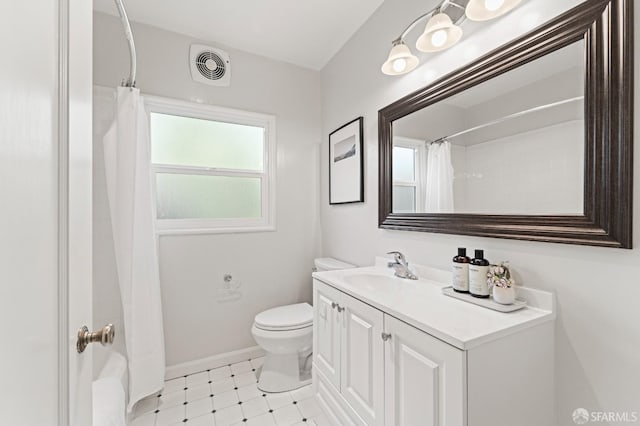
point(205, 231)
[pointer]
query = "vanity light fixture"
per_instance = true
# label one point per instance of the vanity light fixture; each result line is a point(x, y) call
point(442, 30)
point(439, 34)
point(400, 60)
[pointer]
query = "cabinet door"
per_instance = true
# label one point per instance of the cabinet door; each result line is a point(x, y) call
point(362, 378)
point(425, 378)
point(326, 331)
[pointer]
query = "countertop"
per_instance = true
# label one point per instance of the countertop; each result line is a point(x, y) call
point(421, 304)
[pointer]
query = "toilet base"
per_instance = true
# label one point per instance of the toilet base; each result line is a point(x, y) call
point(281, 373)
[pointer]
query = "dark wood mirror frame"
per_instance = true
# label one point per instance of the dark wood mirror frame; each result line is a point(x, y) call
point(607, 29)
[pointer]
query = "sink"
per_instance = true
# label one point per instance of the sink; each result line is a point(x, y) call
point(372, 281)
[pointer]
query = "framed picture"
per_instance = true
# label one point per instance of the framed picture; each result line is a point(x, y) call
point(346, 164)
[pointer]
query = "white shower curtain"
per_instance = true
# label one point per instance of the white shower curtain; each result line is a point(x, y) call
point(439, 185)
point(128, 175)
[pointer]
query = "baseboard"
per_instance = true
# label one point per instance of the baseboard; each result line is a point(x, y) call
point(211, 362)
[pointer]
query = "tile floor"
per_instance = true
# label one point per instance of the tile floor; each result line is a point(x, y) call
point(228, 396)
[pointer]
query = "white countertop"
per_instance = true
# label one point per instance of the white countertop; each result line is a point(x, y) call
point(422, 304)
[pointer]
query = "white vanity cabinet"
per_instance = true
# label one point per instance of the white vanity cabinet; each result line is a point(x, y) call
point(348, 350)
point(424, 378)
point(326, 332)
point(371, 368)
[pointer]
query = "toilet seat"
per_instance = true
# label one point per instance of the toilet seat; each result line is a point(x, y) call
point(283, 318)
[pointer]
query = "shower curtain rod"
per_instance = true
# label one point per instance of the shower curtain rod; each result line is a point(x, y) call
point(506, 118)
point(131, 81)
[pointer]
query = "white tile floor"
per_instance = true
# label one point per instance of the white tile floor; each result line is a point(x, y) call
point(228, 396)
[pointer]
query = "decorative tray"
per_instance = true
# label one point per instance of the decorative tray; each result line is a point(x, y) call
point(485, 303)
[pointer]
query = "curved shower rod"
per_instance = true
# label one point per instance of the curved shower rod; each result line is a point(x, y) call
point(131, 81)
point(507, 117)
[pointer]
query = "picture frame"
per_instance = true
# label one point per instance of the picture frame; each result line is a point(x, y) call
point(346, 163)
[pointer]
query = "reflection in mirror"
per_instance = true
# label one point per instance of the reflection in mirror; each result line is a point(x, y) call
point(512, 145)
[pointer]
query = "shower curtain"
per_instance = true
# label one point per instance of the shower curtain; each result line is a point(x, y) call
point(439, 182)
point(128, 175)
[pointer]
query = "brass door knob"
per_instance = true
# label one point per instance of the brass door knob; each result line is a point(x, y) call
point(104, 336)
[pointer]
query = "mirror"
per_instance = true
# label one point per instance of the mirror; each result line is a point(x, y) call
point(523, 143)
point(510, 145)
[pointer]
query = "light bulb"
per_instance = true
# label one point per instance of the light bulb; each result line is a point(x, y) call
point(439, 38)
point(399, 65)
point(493, 5)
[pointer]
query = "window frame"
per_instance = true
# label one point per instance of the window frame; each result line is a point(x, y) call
point(419, 162)
point(267, 221)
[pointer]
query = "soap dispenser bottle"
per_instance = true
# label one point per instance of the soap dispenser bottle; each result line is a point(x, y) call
point(478, 269)
point(461, 271)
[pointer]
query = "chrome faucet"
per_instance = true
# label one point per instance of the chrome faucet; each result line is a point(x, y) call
point(401, 266)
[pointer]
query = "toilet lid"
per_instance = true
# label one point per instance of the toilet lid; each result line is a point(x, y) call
point(285, 317)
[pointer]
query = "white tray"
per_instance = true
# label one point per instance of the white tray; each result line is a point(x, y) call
point(485, 303)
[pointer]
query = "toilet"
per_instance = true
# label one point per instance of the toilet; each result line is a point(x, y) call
point(285, 333)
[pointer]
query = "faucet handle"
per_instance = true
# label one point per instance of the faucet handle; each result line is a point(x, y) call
point(399, 257)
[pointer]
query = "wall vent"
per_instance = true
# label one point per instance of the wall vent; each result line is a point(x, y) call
point(210, 65)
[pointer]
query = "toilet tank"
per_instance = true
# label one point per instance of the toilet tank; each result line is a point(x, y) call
point(331, 264)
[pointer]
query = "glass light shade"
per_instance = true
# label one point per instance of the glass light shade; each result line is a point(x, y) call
point(439, 34)
point(400, 60)
point(483, 10)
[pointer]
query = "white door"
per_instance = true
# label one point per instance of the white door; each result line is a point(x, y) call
point(326, 331)
point(362, 375)
point(45, 233)
point(424, 377)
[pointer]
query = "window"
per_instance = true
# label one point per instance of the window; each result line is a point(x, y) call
point(213, 168)
point(407, 192)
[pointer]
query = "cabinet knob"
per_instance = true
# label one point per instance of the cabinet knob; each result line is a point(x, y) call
point(340, 308)
point(334, 305)
point(385, 336)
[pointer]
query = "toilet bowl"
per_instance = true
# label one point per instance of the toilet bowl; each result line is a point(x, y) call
point(285, 333)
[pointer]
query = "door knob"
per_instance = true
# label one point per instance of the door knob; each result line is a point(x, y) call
point(104, 336)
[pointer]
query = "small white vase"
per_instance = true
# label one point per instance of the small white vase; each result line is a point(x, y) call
point(504, 295)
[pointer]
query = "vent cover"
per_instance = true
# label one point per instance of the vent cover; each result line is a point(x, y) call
point(210, 65)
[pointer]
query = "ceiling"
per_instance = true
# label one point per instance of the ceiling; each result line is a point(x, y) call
point(303, 32)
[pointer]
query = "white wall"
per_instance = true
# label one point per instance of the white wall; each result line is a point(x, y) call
point(534, 172)
point(273, 267)
point(597, 333)
point(460, 177)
